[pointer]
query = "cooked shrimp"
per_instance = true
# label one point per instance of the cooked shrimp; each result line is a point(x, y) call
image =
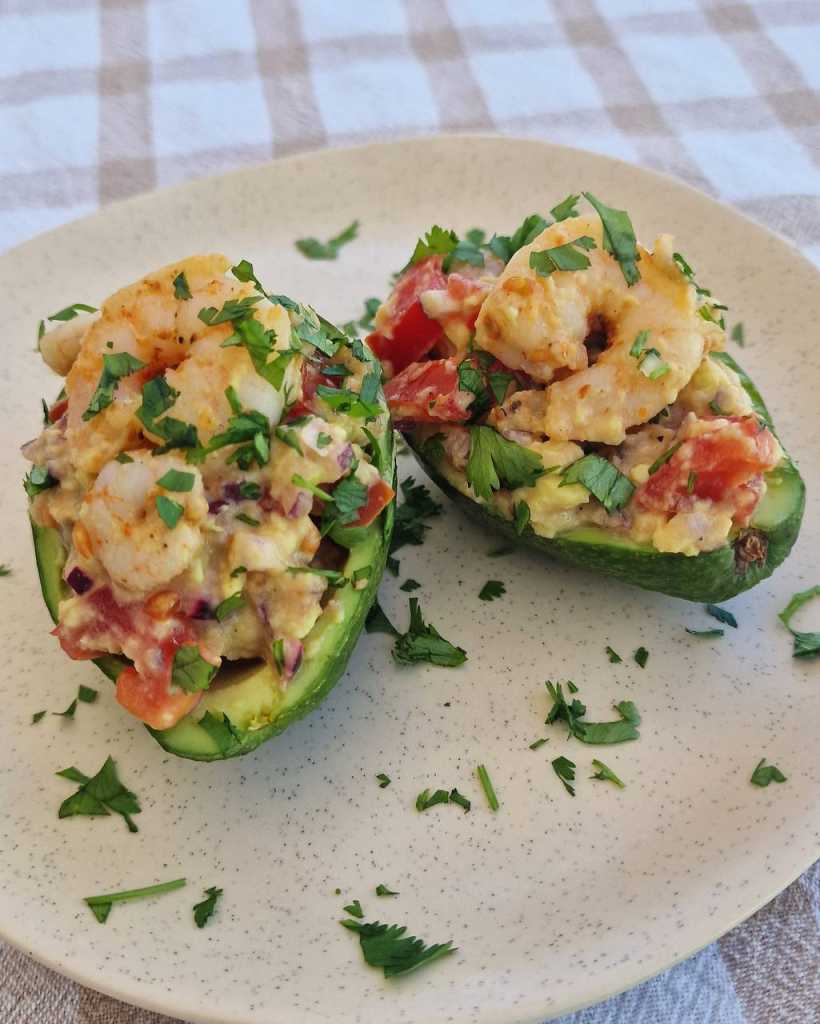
point(541, 324)
point(149, 322)
point(60, 345)
point(120, 524)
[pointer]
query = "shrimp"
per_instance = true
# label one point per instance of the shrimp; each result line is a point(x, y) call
point(150, 321)
point(120, 525)
point(60, 345)
point(541, 324)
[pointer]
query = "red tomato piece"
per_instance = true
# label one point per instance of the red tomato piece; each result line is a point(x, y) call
point(411, 333)
point(379, 496)
point(723, 465)
point(428, 393)
point(312, 377)
point(147, 697)
point(57, 410)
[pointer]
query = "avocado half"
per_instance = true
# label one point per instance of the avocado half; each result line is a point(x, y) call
point(710, 577)
point(245, 704)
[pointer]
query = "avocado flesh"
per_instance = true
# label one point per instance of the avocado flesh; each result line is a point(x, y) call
point(248, 693)
point(710, 577)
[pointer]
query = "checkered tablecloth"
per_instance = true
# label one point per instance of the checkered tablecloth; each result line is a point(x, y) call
point(99, 100)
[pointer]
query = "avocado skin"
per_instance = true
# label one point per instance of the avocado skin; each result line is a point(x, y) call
point(710, 577)
point(188, 739)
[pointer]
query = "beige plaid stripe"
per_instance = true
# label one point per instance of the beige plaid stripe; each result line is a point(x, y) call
point(115, 107)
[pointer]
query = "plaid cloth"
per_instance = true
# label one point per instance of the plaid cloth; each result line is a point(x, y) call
point(102, 100)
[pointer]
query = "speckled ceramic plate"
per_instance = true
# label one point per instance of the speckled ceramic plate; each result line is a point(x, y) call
point(553, 902)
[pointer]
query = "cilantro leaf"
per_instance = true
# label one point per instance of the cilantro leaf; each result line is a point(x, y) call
point(71, 311)
point(423, 642)
point(537, 744)
point(619, 238)
point(377, 622)
point(170, 512)
point(766, 773)
point(190, 671)
point(487, 786)
point(565, 770)
point(705, 633)
point(566, 208)
point(806, 645)
point(409, 524)
point(605, 774)
point(722, 615)
point(458, 798)
point(738, 335)
point(641, 656)
point(562, 257)
point(100, 795)
point(181, 289)
point(87, 694)
point(495, 462)
point(354, 909)
point(382, 890)
point(349, 497)
point(204, 910)
point(424, 801)
point(157, 397)
point(38, 480)
point(506, 246)
point(329, 250)
point(437, 242)
point(384, 780)
point(230, 605)
point(614, 657)
point(491, 590)
point(176, 480)
point(603, 481)
point(388, 947)
point(115, 366)
point(69, 711)
point(594, 733)
point(38, 716)
point(101, 905)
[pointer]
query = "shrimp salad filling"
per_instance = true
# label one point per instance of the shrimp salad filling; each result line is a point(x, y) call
point(565, 376)
point(210, 442)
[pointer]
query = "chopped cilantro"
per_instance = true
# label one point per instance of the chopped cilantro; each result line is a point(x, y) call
point(157, 397)
point(377, 621)
point(506, 246)
point(101, 905)
point(495, 462)
point(4, 570)
point(249, 490)
point(316, 250)
point(233, 311)
point(605, 774)
point(323, 440)
point(566, 208)
point(387, 946)
point(562, 257)
point(384, 780)
point(722, 615)
point(99, 795)
point(243, 517)
point(423, 642)
point(766, 773)
point(806, 645)
point(565, 770)
point(354, 909)
point(69, 711)
point(641, 656)
point(222, 731)
point(459, 799)
point(664, 458)
point(170, 512)
point(38, 716)
point(603, 480)
point(487, 786)
point(537, 744)
point(38, 480)
point(87, 694)
point(71, 311)
point(437, 242)
point(409, 525)
point(409, 586)
point(619, 238)
point(115, 367)
point(705, 633)
point(190, 671)
point(358, 406)
point(349, 497)
point(175, 480)
point(382, 890)
point(499, 383)
point(491, 590)
point(181, 289)
point(424, 801)
point(229, 606)
point(593, 733)
point(738, 335)
point(204, 909)
point(614, 657)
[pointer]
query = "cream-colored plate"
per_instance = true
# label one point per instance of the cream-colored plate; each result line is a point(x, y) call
point(553, 902)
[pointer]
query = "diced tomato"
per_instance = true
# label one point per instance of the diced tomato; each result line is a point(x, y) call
point(724, 465)
point(312, 377)
point(57, 410)
point(379, 496)
point(428, 393)
point(145, 689)
point(148, 698)
point(411, 333)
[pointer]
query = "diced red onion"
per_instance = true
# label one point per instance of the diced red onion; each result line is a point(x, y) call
point(214, 507)
point(231, 491)
point(345, 457)
point(293, 653)
point(202, 610)
point(79, 582)
point(302, 505)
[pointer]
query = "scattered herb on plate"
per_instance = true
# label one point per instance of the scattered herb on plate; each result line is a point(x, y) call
point(605, 774)
point(565, 770)
point(99, 795)
point(382, 890)
point(806, 645)
point(423, 642)
point(487, 786)
point(329, 250)
point(491, 590)
point(613, 656)
point(384, 780)
point(101, 905)
point(388, 947)
point(722, 615)
point(205, 908)
point(766, 773)
point(641, 656)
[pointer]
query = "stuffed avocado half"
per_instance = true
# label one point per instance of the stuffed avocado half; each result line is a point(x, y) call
point(211, 502)
point(570, 389)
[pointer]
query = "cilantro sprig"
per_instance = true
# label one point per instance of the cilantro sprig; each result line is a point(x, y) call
point(619, 238)
point(391, 949)
point(563, 257)
point(495, 462)
point(101, 905)
point(573, 713)
point(99, 795)
point(313, 249)
point(423, 642)
point(603, 481)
